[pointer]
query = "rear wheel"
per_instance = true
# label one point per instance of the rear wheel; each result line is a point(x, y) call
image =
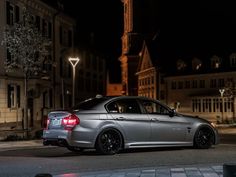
point(109, 142)
point(203, 138)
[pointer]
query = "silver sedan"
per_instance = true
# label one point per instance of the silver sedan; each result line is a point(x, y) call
point(110, 124)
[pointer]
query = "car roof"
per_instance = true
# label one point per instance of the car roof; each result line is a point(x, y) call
point(98, 102)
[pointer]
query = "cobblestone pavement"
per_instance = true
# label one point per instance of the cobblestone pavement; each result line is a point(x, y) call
point(190, 171)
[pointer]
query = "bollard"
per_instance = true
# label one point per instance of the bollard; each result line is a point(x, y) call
point(229, 170)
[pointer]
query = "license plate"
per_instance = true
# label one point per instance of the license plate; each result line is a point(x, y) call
point(56, 122)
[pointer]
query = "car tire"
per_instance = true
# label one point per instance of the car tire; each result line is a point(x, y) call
point(74, 149)
point(203, 138)
point(109, 142)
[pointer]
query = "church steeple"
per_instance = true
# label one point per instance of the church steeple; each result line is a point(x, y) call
point(136, 26)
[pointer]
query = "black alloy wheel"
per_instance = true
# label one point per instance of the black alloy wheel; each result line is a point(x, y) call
point(109, 142)
point(204, 138)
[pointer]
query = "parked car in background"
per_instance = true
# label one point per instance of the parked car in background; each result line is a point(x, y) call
point(110, 124)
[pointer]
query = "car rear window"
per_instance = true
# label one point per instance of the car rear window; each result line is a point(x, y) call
point(89, 103)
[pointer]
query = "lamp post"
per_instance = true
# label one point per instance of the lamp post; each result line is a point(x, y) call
point(73, 62)
point(222, 102)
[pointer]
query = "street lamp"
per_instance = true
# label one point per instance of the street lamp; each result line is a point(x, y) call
point(73, 62)
point(222, 91)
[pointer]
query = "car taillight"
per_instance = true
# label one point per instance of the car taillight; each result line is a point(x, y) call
point(46, 122)
point(70, 122)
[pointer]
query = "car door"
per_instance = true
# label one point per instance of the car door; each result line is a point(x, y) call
point(165, 129)
point(136, 127)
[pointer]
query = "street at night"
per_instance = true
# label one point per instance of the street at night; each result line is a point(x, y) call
point(30, 161)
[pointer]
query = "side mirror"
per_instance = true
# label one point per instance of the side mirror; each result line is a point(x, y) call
point(172, 113)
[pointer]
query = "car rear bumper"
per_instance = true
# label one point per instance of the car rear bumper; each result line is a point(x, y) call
point(55, 142)
point(56, 137)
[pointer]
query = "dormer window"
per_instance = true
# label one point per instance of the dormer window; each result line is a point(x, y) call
point(181, 65)
point(215, 62)
point(217, 65)
point(233, 60)
point(196, 64)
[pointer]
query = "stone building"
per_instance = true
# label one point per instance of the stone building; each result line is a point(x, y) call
point(204, 88)
point(52, 89)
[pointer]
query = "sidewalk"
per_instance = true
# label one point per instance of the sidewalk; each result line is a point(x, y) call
point(10, 145)
point(187, 171)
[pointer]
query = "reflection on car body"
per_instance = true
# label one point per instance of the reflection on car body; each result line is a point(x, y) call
point(110, 124)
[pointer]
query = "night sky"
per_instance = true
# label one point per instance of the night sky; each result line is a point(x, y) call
point(198, 28)
point(187, 29)
point(103, 19)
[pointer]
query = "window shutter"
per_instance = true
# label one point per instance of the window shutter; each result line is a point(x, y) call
point(18, 95)
point(17, 14)
point(8, 95)
point(8, 12)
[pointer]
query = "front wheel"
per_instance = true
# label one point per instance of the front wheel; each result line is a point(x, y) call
point(203, 138)
point(109, 142)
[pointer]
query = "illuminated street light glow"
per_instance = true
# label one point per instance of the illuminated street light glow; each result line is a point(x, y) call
point(73, 62)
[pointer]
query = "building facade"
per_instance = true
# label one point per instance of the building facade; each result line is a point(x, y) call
point(53, 89)
point(42, 91)
point(205, 88)
point(197, 87)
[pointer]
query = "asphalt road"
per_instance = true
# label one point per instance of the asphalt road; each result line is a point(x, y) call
point(29, 161)
point(54, 160)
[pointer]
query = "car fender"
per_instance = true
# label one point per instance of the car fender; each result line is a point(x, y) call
point(104, 126)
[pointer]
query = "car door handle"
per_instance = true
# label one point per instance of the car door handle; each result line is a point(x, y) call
point(120, 118)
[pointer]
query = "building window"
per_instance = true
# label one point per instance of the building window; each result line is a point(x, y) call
point(202, 84)
point(162, 94)
point(13, 95)
point(180, 85)
point(49, 30)
point(213, 83)
point(233, 61)
point(47, 99)
point(69, 38)
point(173, 85)
point(60, 34)
point(187, 84)
point(47, 66)
point(194, 84)
point(38, 22)
point(94, 63)
point(181, 65)
point(196, 64)
point(12, 13)
point(221, 83)
point(215, 62)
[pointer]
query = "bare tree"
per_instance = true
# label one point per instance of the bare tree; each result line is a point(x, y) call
point(28, 49)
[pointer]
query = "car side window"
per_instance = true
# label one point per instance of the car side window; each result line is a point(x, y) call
point(154, 108)
point(113, 107)
point(124, 106)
